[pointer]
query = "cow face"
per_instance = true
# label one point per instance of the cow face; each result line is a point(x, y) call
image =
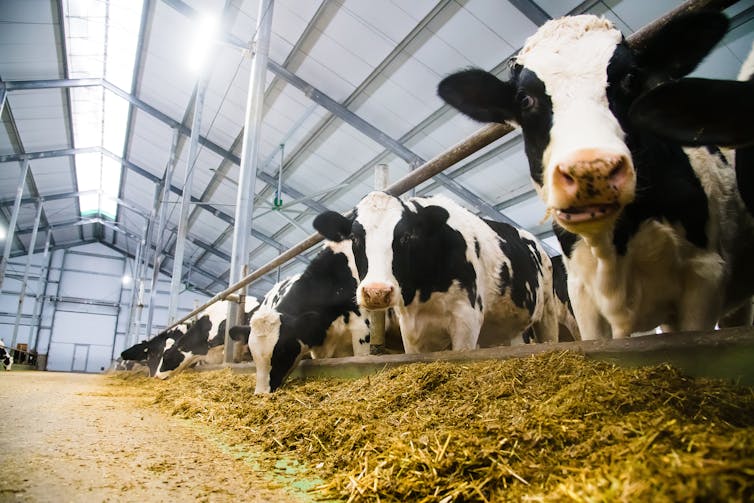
point(570, 90)
point(180, 353)
point(275, 345)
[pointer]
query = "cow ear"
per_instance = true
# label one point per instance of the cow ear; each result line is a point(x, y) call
point(679, 46)
point(698, 112)
point(480, 95)
point(333, 226)
point(240, 332)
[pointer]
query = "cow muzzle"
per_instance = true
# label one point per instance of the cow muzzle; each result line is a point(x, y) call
point(590, 187)
point(376, 295)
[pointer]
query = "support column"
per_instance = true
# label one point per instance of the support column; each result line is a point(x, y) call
point(25, 281)
point(249, 158)
point(3, 97)
point(13, 219)
point(132, 305)
point(180, 241)
point(41, 288)
point(377, 318)
point(162, 210)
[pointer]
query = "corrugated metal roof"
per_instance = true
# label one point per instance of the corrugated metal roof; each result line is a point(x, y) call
point(377, 61)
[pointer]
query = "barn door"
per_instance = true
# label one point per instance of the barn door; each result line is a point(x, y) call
point(80, 357)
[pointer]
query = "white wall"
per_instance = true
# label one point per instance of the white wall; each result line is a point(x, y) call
point(84, 322)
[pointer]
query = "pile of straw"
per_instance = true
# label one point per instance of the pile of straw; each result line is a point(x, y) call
point(545, 428)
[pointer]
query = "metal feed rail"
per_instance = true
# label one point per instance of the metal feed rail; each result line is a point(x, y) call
point(449, 157)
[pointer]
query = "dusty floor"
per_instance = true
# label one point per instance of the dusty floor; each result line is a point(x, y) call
point(67, 438)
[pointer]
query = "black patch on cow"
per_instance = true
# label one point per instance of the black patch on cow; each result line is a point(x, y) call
point(666, 186)
point(358, 245)
point(535, 119)
point(477, 248)
point(195, 340)
point(428, 255)
point(522, 253)
point(560, 281)
point(325, 291)
point(566, 239)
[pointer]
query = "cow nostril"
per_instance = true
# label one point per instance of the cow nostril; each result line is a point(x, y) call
point(565, 177)
point(618, 173)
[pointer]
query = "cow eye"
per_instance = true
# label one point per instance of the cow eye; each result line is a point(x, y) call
point(527, 102)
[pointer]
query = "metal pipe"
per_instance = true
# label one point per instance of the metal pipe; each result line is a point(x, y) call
point(476, 141)
point(44, 297)
point(41, 286)
point(163, 213)
point(132, 303)
point(377, 318)
point(10, 234)
point(117, 315)
point(249, 157)
point(25, 281)
point(180, 242)
point(3, 97)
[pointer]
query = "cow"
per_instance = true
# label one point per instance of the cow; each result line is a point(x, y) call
point(568, 326)
point(314, 313)
point(150, 351)
point(200, 343)
point(5, 356)
point(454, 280)
point(648, 228)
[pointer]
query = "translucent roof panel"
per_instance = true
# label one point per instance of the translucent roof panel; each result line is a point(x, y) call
point(101, 38)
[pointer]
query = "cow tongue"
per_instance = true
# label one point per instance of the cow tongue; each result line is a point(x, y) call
point(577, 214)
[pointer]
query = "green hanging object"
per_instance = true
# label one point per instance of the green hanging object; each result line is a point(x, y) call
point(277, 202)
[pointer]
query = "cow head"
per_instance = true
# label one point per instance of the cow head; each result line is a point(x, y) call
point(181, 352)
point(570, 89)
point(275, 345)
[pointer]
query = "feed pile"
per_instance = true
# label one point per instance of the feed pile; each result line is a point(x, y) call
point(550, 427)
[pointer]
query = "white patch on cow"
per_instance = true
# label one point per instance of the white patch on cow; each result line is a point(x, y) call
point(570, 56)
point(378, 213)
point(278, 291)
point(344, 339)
point(264, 334)
point(345, 248)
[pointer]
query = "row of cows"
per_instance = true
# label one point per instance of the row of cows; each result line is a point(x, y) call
point(655, 228)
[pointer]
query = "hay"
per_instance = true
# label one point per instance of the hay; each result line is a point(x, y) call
point(550, 427)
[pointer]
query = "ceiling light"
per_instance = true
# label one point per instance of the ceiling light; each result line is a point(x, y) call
point(126, 279)
point(207, 29)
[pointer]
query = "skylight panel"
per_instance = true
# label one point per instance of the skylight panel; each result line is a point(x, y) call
point(102, 38)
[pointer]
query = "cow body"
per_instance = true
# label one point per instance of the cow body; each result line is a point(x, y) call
point(453, 280)
point(313, 313)
point(204, 342)
point(150, 352)
point(5, 356)
point(648, 227)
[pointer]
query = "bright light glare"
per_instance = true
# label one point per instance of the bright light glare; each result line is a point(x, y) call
point(126, 279)
point(202, 42)
point(2, 232)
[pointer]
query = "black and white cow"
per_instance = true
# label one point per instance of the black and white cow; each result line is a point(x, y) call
point(454, 280)
point(5, 356)
point(150, 351)
point(569, 328)
point(647, 226)
point(313, 313)
point(200, 343)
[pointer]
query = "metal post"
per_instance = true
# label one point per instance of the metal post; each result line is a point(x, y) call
point(180, 240)
point(163, 214)
point(41, 287)
point(44, 296)
point(13, 219)
point(117, 316)
point(3, 96)
point(377, 318)
point(249, 157)
point(24, 282)
point(132, 304)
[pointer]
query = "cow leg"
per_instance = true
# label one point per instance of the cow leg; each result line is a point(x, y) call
point(592, 325)
point(359, 336)
point(546, 328)
point(701, 304)
point(465, 326)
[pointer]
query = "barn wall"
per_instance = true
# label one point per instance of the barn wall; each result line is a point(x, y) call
point(78, 313)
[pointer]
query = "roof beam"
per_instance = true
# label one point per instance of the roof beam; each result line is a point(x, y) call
point(532, 11)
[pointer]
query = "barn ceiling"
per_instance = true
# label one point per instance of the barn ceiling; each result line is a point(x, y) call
point(97, 93)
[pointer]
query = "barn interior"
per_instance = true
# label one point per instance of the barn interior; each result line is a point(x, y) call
point(154, 153)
